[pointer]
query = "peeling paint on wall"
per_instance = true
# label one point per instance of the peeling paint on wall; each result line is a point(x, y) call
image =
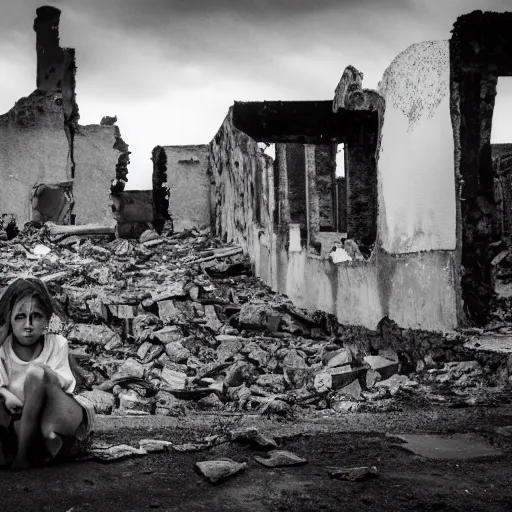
point(417, 150)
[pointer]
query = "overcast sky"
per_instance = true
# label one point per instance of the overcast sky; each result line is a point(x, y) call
point(170, 69)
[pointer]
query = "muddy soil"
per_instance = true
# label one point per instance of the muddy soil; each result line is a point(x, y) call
point(168, 482)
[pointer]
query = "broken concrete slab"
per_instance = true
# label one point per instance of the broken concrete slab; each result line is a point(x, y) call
point(337, 358)
point(177, 352)
point(118, 452)
point(252, 436)
point(353, 389)
point(103, 401)
point(449, 447)
point(256, 316)
point(173, 380)
point(353, 474)
point(130, 368)
point(154, 445)
point(92, 334)
point(216, 470)
point(335, 378)
point(385, 367)
point(280, 458)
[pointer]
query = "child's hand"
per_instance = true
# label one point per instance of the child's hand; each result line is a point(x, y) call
point(13, 403)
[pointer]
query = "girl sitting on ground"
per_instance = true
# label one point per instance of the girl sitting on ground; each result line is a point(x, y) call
point(36, 381)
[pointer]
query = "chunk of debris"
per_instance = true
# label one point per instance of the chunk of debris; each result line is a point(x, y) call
point(154, 445)
point(280, 458)
point(353, 474)
point(216, 470)
point(383, 366)
point(118, 452)
point(252, 436)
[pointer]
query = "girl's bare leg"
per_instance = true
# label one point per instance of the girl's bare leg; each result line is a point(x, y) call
point(49, 411)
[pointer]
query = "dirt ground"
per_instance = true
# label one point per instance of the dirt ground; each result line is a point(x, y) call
point(168, 481)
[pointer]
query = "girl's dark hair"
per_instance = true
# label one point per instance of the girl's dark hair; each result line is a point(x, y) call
point(22, 288)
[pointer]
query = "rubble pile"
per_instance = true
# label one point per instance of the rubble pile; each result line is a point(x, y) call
point(177, 322)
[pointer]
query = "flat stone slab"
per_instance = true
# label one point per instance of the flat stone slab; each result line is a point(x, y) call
point(449, 447)
point(216, 470)
point(252, 436)
point(498, 343)
point(353, 474)
point(280, 458)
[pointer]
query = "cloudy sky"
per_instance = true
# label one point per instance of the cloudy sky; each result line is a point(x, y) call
point(170, 69)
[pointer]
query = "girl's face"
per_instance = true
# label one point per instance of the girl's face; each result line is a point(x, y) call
point(28, 321)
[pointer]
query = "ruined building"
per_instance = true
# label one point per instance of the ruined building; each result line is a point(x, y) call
point(51, 167)
point(425, 201)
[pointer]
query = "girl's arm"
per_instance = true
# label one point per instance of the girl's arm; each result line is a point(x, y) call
point(12, 402)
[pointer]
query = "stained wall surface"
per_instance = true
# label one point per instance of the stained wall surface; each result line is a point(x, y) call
point(95, 163)
point(189, 186)
point(416, 160)
point(33, 149)
point(411, 275)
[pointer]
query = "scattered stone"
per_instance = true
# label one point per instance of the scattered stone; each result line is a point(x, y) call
point(91, 334)
point(372, 377)
point(240, 373)
point(212, 401)
point(118, 452)
point(337, 358)
point(173, 380)
point(280, 458)
point(353, 389)
point(256, 316)
point(353, 474)
point(383, 366)
point(154, 445)
point(335, 378)
point(103, 402)
point(130, 368)
point(212, 320)
point(130, 401)
point(216, 470)
point(167, 311)
point(229, 346)
point(168, 334)
point(252, 436)
point(344, 406)
point(395, 383)
point(295, 369)
point(177, 352)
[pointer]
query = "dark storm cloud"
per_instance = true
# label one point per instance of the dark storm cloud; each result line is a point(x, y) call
point(146, 15)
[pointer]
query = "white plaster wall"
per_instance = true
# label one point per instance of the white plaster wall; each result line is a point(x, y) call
point(95, 168)
point(29, 157)
point(416, 160)
point(189, 186)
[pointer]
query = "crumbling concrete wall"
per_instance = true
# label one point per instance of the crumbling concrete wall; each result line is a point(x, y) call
point(415, 290)
point(502, 169)
point(34, 149)
point(41, 141)
point(95, 160)
point(189, 186)
point(480, 50)
point(416, 177)
point(234, 161)
point(133, 211)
